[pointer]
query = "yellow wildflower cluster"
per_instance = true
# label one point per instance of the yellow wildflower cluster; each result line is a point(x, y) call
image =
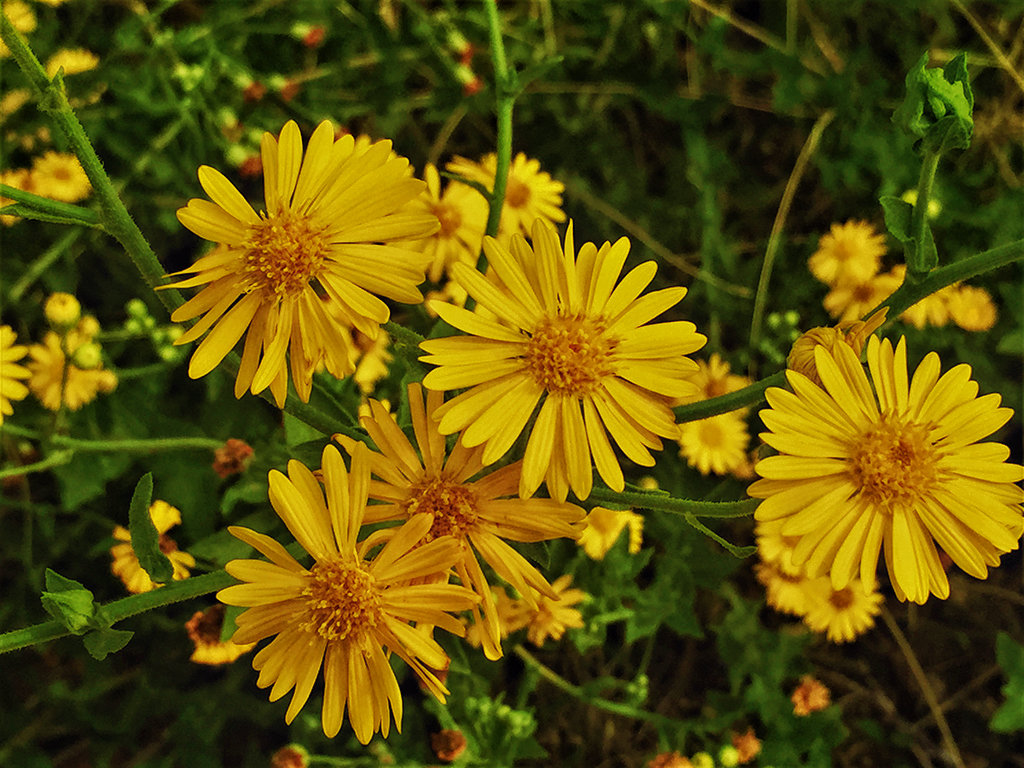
point(848, 260)
point(717, 444)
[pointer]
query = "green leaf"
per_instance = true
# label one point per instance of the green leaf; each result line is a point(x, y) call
point(898, 216)
point(145, 538)
point(937, 110)
point(1010, 716)
point(105, 641)
point(69, 602)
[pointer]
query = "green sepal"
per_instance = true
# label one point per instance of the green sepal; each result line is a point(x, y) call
point(69, 602)
point(104, 641)
point(145, 538)
point(937, 110)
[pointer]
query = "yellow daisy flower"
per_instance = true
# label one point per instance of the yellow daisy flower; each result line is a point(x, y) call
point(297, 276)
point(73, 60)
point(843, 614)
point(462, 212)
point(931, 310)
point(604, 527)
point(972, 308)
point(11, 374)
point(851, 301)
point(345, 613)
point(717, 444)
point(889, 462)
point(781, 579)
point(714, 378)
point(530, 193)
point(570, 340)
point(850, 253)
point(125, 563)
point(853, 333)
point(553, 616)
point(512, 615)
point(204, 630)
point(478, 514)
point(59, 176)
point(81, 384)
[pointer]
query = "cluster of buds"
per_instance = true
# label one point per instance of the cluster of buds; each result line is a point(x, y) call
point(141, 323)
point(463, 49)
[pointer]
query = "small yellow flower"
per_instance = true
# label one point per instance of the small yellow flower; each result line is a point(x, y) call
point(843, 614)
point(553, 616)
point(530, 193)
point(19, 178)
point(932, 310)
point(204, 630)
point(717, 444)
point(850, 253)
point(12, 101)
point(462, 212)
point(853, 333)
point(74, 61)
point(59, 176)
point(604, 527)
point(125, 563)
point(972, 308)
point(11, 374)
point(47, 367)
point(713, 378)
point(851, 301)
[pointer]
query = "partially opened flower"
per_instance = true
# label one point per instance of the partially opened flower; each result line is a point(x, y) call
point(204, 630)
point(346, 612)
point(12, 375)
point(853, 333)
point(530, 193)
point(568, 337)
point(125, 563)
point(478, 514)
point(889, 463)
point(294, 278)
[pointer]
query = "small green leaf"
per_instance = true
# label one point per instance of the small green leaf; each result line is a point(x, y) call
point(898, 216)
point(105, 641)
point(145, 538)
point(69, 602)
point(1010, 716)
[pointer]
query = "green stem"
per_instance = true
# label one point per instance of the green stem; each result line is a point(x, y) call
point(138, 446)
point(55, 459)
point(174, 592)
point(402, 336)
point(506, 97)
point(43, 263)
point(659, 500)
point(741, 398)
point(910, 293)
point(114, 217)
point(72, 214)
point(578, 693)
point(919, 263)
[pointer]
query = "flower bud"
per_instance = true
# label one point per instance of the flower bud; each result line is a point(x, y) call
point(62, 312)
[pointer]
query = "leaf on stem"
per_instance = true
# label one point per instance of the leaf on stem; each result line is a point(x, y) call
point(69, 602)
point(145, 538)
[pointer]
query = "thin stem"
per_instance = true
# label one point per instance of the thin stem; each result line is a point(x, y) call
point(62, 211)
point(918, 262)
point(138, 446)
point(775, 238)
point(43, 263)
point(741, 398)
point(909, 293)
point(926, 688)
point(55, 459)
point(506, 98)
point(658, 500)
point(578, 693)
point(114, 216)
point(174, 592)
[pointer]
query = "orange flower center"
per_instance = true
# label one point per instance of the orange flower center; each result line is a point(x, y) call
point(711, 434)
point(452, 504)
point(450, 218)
point(342, 600)
point(569, 355)
point(283, 253)
point(517, 194)
point(893, 462)
point(842, 598)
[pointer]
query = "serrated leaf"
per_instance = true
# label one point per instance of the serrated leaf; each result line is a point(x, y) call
point(69, 602)
point(898, 216)
point(103, 642)
point(145, 538)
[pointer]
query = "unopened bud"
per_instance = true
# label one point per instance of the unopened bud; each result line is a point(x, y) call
point(62, 312)
point(87, 356)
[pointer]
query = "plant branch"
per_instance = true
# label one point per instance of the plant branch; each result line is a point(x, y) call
point(661, 501)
